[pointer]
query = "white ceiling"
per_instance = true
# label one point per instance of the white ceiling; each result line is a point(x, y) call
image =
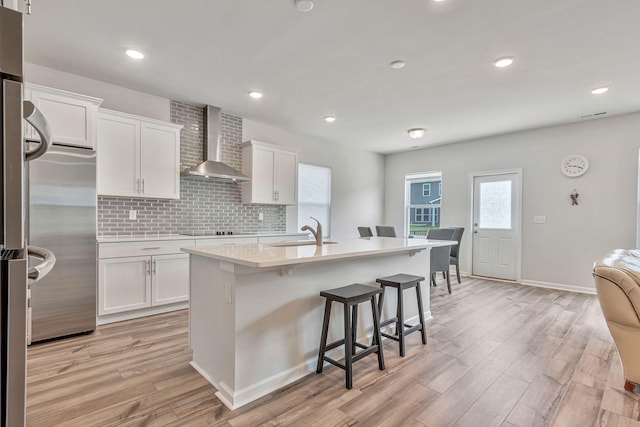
point(335, 60)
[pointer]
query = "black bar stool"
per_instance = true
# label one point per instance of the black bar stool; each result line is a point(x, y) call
point(402, 282)
point(350, 296)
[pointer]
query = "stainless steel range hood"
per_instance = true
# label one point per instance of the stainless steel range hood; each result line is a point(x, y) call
point(212, 167)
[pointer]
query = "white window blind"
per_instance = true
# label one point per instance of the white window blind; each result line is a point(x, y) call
point(314, 196)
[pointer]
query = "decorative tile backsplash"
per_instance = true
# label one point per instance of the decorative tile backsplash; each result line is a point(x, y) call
point(205, 204)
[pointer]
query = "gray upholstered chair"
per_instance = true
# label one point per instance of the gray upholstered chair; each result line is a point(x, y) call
point(440, 255)
point(454, 258)
point(365, 231)
point(385, 231)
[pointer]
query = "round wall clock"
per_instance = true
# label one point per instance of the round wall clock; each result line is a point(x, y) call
point(574, 165)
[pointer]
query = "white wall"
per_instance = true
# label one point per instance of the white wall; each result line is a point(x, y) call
point(560, 252)
point(115, 97)
point(357, 177)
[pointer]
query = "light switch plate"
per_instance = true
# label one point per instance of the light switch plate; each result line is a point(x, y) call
point(260, 216)
point(133, 215)
point(540, 219)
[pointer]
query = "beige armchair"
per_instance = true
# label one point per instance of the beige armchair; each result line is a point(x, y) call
point(617, 279)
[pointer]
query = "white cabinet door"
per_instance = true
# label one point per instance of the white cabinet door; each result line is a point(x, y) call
point(160, 156)
point(170, 279)
point(273, 172)
point(124, 284)
point(286, 177)
point(72, 117)
point(262, 175)
point(138, 157)
point(118, 156)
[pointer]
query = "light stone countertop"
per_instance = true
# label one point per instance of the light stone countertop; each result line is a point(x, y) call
point(159, 237)
point(273, 254)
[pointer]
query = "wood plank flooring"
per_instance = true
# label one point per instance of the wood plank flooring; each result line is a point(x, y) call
point(498, 355)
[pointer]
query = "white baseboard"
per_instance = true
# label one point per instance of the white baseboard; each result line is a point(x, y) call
point(235, 399)
point(559, 286)
point(134, 314)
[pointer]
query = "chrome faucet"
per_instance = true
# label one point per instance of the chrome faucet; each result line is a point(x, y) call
point(317, 233)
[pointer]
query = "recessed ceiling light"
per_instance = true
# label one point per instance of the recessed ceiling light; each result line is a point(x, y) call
point(600, 90)
point(398, 64)
point(504, 61)
point(303, 5)
point(135, 54)
point(416, 133)
point(255, 94)
point(329, 119)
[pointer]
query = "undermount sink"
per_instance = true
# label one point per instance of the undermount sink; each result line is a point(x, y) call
point(300, 243)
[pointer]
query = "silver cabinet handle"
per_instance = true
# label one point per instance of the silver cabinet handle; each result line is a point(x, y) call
point(35, 118)
point(142, 185)
point(148, 263)
point(151, 249)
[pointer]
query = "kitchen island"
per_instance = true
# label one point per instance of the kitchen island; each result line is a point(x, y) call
point(255, 311)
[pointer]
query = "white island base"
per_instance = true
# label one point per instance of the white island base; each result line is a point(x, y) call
point(256, 329)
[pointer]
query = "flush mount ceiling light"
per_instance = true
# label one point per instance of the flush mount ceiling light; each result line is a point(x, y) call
point(397, 64)
point(255, 94)
point(303, 5)
point(600, 90)
point(135, 54)
point(504, 61)
point(329, 119)
point(416, 133)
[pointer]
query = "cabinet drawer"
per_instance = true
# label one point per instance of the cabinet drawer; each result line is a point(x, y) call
point(225, 241)
point(129, 249)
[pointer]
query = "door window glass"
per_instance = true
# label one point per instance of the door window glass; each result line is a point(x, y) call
point(495, 205)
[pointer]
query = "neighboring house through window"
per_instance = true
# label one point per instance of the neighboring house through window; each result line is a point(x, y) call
point(422, 205)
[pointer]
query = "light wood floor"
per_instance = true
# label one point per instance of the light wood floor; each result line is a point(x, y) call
point(498, 355)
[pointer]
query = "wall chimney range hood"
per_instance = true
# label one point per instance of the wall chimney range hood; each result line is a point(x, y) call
point(212, 167)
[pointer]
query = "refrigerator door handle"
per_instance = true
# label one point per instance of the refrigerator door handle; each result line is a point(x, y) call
point(35, 118)
point(48, 258)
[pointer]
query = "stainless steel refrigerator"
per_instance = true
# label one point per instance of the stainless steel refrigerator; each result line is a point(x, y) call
point(16, 273)
point(62, 218)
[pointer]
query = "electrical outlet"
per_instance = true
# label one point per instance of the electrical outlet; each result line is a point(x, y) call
point(227, 293)
point(133, 215)
point(260, 216)
point(540, 219)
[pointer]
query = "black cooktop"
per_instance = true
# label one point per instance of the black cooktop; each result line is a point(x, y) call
point(207, 233)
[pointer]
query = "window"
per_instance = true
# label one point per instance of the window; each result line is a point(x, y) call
point(314, 196)
point(422, 206)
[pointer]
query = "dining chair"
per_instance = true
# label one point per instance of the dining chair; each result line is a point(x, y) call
point(440, 255)
point(365, 231)
point(385, 231)
point(454, 258)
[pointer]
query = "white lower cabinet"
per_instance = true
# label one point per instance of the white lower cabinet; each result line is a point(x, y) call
point(142, 278)
point(124, 284)
point(169, 279)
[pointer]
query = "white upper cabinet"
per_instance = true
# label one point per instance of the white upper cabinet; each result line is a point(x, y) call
point(273, 171)
point(138, 157)
point(72, 116)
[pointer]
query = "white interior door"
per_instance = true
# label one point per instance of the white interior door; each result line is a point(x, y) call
point(496, 226)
